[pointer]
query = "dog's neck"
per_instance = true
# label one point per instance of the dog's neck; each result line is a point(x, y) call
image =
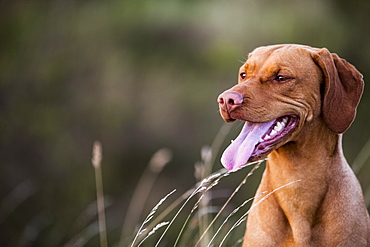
point(310, 167)
point(318, 153)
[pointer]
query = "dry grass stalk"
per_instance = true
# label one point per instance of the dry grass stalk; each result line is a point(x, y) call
point(162, 224)
point(244, 216)
point(96, 162)
point(257, 165)
point(149, 218)
point(157, 162)
point(231, 214)
point(202, 187)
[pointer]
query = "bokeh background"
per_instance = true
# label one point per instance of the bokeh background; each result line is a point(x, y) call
point(137, 76)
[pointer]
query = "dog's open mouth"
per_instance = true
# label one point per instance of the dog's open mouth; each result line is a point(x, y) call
point(257, 140)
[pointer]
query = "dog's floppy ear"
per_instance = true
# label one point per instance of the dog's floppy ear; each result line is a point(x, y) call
point(343, 89)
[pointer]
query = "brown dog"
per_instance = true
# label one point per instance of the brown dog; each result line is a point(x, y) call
point(297, 101)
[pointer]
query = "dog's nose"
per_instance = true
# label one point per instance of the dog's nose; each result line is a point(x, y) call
point(230, 100)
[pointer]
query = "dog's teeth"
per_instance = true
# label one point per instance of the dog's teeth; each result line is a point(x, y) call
point(273, 132)
point(278, 127)
point(232, 141)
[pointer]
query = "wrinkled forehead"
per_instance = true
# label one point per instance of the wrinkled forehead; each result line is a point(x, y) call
point(279, 55)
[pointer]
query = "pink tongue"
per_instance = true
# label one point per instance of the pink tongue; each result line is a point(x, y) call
point(239, 151)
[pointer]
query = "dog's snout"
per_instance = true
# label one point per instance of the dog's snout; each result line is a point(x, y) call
point(230, 100)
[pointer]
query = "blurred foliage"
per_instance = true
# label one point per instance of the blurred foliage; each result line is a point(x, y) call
point(138, 76)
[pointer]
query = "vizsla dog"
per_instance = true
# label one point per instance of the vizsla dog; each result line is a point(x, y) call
point(296, 102)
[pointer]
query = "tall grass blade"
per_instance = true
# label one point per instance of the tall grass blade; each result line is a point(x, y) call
point(202, 187)
point(96, 162)
point(367, 196)
point(239, 241)
point(18, 195)
point(183, 197)
point(210, 158)
point(244, 216)
point(231, 214)
point(361, 158)
point(157, 162)
point(168, 209)
point(182, 229)
point(162, 224)
point(209, 155)
point(257, 164)
point(149, 217)
point(84, 236)
point(204, 190)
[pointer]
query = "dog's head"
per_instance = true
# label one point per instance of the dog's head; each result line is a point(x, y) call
point(280, 89)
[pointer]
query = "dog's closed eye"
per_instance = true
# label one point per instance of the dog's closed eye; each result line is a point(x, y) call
point(281, 78)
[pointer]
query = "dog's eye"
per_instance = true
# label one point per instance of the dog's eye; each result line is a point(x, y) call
point(281, 78)
point(243, 75)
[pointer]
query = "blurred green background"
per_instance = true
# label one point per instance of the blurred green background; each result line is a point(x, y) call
point(138, 76)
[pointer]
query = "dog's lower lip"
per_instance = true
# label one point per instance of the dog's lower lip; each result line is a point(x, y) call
point(266, 145)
